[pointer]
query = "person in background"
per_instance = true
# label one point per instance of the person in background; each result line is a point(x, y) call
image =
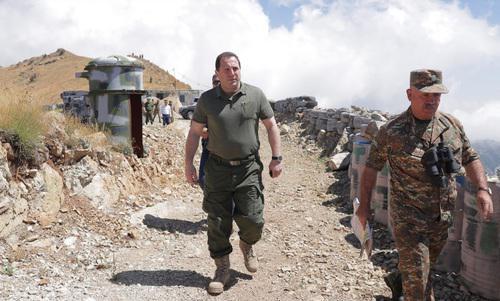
point(204, 143)
point(166, 112)
point(156, 110)
point(148, 108)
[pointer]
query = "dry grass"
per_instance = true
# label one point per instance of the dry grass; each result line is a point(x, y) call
point(80, 134)
point(22, 124)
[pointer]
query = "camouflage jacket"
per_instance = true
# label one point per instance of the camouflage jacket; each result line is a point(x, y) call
point(148, 106)
point(413, 197)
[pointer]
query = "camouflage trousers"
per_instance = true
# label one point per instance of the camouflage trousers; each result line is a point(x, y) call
point(149, 117)
point(419, 246)
point(233, 193)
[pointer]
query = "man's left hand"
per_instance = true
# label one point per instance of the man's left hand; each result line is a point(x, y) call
point(485, 204)
point(275, 168)
point(204, 134)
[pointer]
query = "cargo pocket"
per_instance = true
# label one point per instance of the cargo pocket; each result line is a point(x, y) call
point(218, 203)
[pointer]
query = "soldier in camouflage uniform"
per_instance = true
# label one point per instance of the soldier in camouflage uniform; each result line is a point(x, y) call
point(421, 202)
point(148, 109)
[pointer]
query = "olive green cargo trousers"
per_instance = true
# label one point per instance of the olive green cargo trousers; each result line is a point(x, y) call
point(233, 190)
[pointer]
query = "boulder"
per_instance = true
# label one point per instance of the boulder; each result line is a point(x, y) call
point(80, 175)
point(50, 196)
point(102, 191)
point(284, 129)
point(339, 161)
point(342, 143)
point(12, 213)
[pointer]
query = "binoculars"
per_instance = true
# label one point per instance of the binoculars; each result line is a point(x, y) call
point(439, 162)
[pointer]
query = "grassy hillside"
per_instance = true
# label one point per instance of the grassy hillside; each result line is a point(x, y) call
point(43, 78)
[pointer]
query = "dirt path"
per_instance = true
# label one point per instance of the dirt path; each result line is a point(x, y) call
point(306, 252)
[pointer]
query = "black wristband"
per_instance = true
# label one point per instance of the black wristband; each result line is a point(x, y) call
point(277, 158)
point(487, 189)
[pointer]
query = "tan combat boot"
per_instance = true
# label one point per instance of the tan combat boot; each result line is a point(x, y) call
point(250, 258)
point(221, 278)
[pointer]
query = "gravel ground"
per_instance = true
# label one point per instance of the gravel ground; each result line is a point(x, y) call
point(152, 246)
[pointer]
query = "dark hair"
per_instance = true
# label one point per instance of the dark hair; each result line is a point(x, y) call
point(225, 54)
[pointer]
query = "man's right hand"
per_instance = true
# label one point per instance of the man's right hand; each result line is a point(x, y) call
point(191, 174)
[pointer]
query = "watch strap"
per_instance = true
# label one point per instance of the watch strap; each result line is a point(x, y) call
point(488, 190)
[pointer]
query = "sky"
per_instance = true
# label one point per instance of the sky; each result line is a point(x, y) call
point(343, 52)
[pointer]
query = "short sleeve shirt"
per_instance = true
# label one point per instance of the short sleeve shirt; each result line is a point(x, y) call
point(402, 143)
point(233, 122)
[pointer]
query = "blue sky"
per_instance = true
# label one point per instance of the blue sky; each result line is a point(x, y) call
point(343, 52)
point(281, 13)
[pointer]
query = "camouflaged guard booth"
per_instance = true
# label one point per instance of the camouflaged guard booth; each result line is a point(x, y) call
point(115, 92)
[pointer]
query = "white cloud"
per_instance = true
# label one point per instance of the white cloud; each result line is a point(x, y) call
point(343, 52)
point(285, 3)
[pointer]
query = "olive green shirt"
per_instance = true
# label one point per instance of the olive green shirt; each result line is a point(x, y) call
point(233, 122)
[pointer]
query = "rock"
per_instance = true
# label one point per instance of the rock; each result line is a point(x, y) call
point(71, 156)
point(342, 143)
point(50, 196)
point(284, 129)
point(5, 205)
point(4, 184)
point(70, 241)
point(378, 117)
point(42, 243)
point(79, 175)
point(102, 191)
point(10, 219)
point(56, 147)
point(358, 121)
point(32, 238)
point(4, 165)
point(133, 234)
point(10, 151)
point(339, 161)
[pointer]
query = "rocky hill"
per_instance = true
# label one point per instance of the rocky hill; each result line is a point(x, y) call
point(44, 77)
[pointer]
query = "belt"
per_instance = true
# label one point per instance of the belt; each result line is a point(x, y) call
point(233, 162)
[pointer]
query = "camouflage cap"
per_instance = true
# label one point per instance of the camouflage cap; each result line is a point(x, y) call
point(428, 81)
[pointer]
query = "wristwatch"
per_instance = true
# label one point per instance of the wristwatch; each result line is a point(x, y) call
point(488, 190)
point(277, 158)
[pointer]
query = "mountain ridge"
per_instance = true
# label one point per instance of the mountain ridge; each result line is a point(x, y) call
point(489, 153)
point(43, 78)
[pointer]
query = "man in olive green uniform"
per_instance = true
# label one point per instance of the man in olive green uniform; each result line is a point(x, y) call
point(424, 148)
point(233, 173)
point(148, 109)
